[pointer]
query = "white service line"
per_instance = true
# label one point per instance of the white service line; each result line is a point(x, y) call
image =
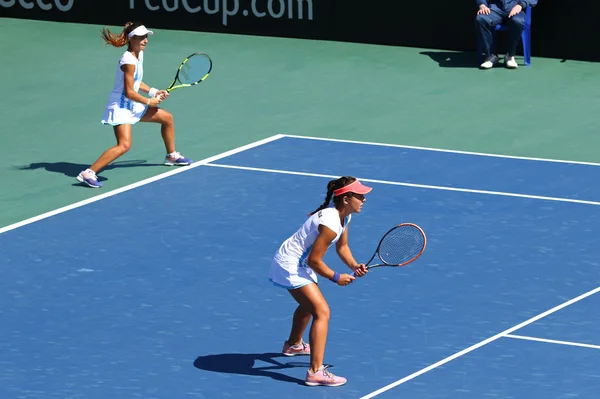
point(395, 183)
point(552, 341)
point(179, 169)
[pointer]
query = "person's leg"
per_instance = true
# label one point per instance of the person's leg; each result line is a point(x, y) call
point(309, 297)
point(295, 345)
point(167, 131)
point(123, 136)
point(515, 26)
point(311, 300)
point(484, 27)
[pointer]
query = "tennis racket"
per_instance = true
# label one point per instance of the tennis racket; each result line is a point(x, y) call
point(193, 70)
point(400, 246)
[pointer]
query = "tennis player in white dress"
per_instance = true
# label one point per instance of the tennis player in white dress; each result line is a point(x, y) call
point(298, 262)
point(126, 106)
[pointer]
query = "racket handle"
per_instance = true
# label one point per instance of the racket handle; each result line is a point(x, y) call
point(353, 274)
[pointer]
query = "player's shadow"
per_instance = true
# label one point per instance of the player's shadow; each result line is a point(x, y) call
point(72, 169)
point(246, 364)
point(453, 59)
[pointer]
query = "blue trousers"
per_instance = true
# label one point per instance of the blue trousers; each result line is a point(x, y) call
point(485, 25)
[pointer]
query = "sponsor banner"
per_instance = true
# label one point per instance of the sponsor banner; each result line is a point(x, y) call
point(288, 18)
point(39, 5)
point(228, 11)
point(439, 24)
point(49, 10)
point(292, 18)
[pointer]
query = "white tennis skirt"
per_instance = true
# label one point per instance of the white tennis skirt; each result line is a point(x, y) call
point(291, 276)
point(127, 113)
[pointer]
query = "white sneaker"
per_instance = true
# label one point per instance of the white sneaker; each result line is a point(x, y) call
point(510, 62)
point(89, 177)
point(489, 62)
point(176, 159)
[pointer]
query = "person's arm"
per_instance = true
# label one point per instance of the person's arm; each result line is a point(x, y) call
point(317, 252)
point(527, 3)
point(153, 92)
point(345, 254)
point(130, 93)
point(482, 7)
point(145, 88)
point(521, 6)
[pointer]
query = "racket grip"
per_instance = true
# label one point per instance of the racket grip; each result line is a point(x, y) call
point(353, 274)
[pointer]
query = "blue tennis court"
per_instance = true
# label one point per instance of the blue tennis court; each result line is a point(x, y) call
point(160, 290)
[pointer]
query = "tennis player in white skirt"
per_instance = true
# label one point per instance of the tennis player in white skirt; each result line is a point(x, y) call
point(299, 260)
point(126, 106)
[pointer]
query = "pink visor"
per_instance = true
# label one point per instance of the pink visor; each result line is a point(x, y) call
point(354, 187)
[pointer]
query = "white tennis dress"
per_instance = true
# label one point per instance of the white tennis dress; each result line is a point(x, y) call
point(119, 109)
point(289, 268)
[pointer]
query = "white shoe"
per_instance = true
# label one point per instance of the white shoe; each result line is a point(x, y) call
point(176, 159)
point(489, 62)
point(510, 62)
point(89, 177)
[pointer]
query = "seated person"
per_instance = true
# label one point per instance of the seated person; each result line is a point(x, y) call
point(495, 12)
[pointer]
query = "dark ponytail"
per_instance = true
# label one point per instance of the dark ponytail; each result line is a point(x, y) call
point(331, 187)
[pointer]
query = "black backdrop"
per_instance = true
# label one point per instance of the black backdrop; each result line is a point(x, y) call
point(561, 28)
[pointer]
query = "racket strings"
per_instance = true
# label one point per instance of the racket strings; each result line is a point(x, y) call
point(194, 69)
point(183, 73)
point(401, 245)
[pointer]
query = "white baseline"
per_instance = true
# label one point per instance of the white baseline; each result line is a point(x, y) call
point(410, 147)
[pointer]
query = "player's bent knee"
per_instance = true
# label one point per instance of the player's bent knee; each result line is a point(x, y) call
point(163, 117)
point(125, 147)
point(322, 313)
point(168, 118)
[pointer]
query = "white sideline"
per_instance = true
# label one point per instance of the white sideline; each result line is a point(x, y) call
point(139, 183)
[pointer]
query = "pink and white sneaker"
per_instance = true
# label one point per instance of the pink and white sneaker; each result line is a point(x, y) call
point(89, 177)
point(294, 350)
point(323, 377)
point(176, 159)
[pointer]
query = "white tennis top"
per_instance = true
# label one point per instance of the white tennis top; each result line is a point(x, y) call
point(120, 109)
point(118, 92)
point(289, 267)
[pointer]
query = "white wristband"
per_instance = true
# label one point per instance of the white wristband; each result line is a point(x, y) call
point(152, 92)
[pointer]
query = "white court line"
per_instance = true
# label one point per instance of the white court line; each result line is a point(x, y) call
point(480, 344)
point(395, 183)
point(179, 169)
point(552, 341)
point(483, 154)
